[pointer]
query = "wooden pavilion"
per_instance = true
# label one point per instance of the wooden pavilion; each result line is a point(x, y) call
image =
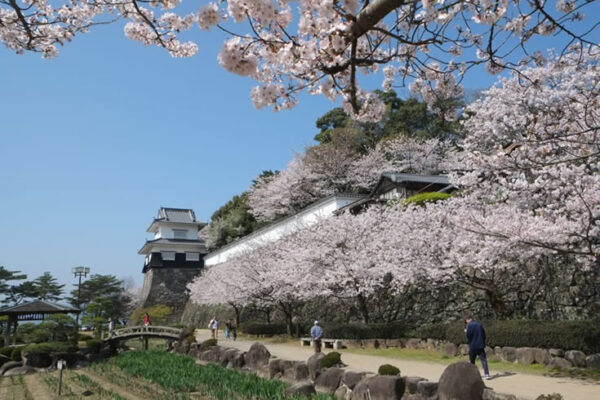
point(37, 310)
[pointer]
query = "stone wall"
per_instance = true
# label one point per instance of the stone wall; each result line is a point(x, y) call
point(168, 286)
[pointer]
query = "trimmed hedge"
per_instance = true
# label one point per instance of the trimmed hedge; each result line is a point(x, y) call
point(255, 328)
point(568, 335)
point(393, 330)
point(50, 347)
point(331, 359)
point(388, 369)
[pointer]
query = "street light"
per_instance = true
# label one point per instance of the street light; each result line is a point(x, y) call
point(79, 272)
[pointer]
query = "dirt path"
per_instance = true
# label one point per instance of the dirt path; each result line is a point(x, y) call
point(108, 385)
point(522, 385)
point(37, 388)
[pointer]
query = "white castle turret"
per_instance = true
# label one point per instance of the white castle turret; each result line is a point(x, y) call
point(172, 258)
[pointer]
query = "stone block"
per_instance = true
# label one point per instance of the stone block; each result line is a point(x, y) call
point(559, 362)
point(379, 387)
point(9, 365)
point(576, 357)
point(24, 370)
point(427, 389)
point(329, 380)
point(414, 344)
point(463, 349)
point(303, 388)
point(450, 349)
point(542, 356)
point(525, 355)
point(411, 383)
point(257, 357)
point(593, 361)
point(352, 378)
point(314, 365)
point(509, 354)
point(556, 352)
point(460, 381)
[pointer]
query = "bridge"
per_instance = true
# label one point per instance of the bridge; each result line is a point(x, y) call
point(143, 332)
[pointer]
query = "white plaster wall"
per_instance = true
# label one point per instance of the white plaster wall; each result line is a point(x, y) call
point(279, 230)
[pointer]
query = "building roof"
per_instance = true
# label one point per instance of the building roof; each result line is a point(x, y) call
point(398, 177)
point(176, 216)
point(38, 307)
point(184, 215)
point(149, 243)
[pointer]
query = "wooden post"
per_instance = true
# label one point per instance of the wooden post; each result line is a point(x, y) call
point(60, 365)
point(145, 342)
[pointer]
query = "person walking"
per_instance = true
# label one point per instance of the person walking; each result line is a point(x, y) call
point(111, 327)
point(476, 338)
point(146, 320)
point(214, 327)
point(228, 329)
point(316, 333)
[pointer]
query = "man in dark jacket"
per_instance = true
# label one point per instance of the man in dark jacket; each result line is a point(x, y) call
point(476, 337)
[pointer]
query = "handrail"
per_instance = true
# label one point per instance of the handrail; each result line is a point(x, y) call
point(142, 330)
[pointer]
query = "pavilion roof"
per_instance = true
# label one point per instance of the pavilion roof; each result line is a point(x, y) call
point(38, 307)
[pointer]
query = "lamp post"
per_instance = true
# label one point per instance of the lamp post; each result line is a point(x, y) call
point(79, 272)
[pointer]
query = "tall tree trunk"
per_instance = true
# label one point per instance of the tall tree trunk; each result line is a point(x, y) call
point(362, 306)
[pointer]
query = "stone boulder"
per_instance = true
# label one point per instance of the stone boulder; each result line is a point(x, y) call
point(463, 349)
point(593, 361)
point(460, 381)
point(237, 361)
point(227, 355)
point(329, 380)
point(36, 359)
point(431, 344)
point(352, 378)
point(3, 359)
point(556, 352)
point(414, 344)
point(343, 393)
point(302, 388)
point(450, 349)
point(295, 371)
point(379, 387)
point(498, 351)
point(509, 354)
point(276, 368)
point(314, 365)
point(9, 365)
point(542, 356)
point(576, 357)
point(257, 357)
point(427, 389)
point(411, 383)
point(24, 370)
point(489, 394)
point(559, 363)
point(525, 355)
point(488, 351)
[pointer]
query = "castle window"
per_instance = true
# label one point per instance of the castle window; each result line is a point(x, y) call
point(168, 255)
point(192, 256)
point(180, 233)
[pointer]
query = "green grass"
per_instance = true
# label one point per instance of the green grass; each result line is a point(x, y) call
point(180, 373)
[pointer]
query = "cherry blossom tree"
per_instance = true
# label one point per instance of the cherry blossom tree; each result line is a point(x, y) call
point(320, 46)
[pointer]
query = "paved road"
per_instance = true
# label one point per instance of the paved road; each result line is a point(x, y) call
point(522, 385)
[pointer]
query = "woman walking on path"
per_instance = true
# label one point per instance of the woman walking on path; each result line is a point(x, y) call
point(213, 325)
point(146, 320)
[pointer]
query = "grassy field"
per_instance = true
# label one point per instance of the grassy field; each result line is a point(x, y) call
point(143, 375)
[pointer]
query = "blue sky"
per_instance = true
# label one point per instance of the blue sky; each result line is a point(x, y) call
point(95, 141)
